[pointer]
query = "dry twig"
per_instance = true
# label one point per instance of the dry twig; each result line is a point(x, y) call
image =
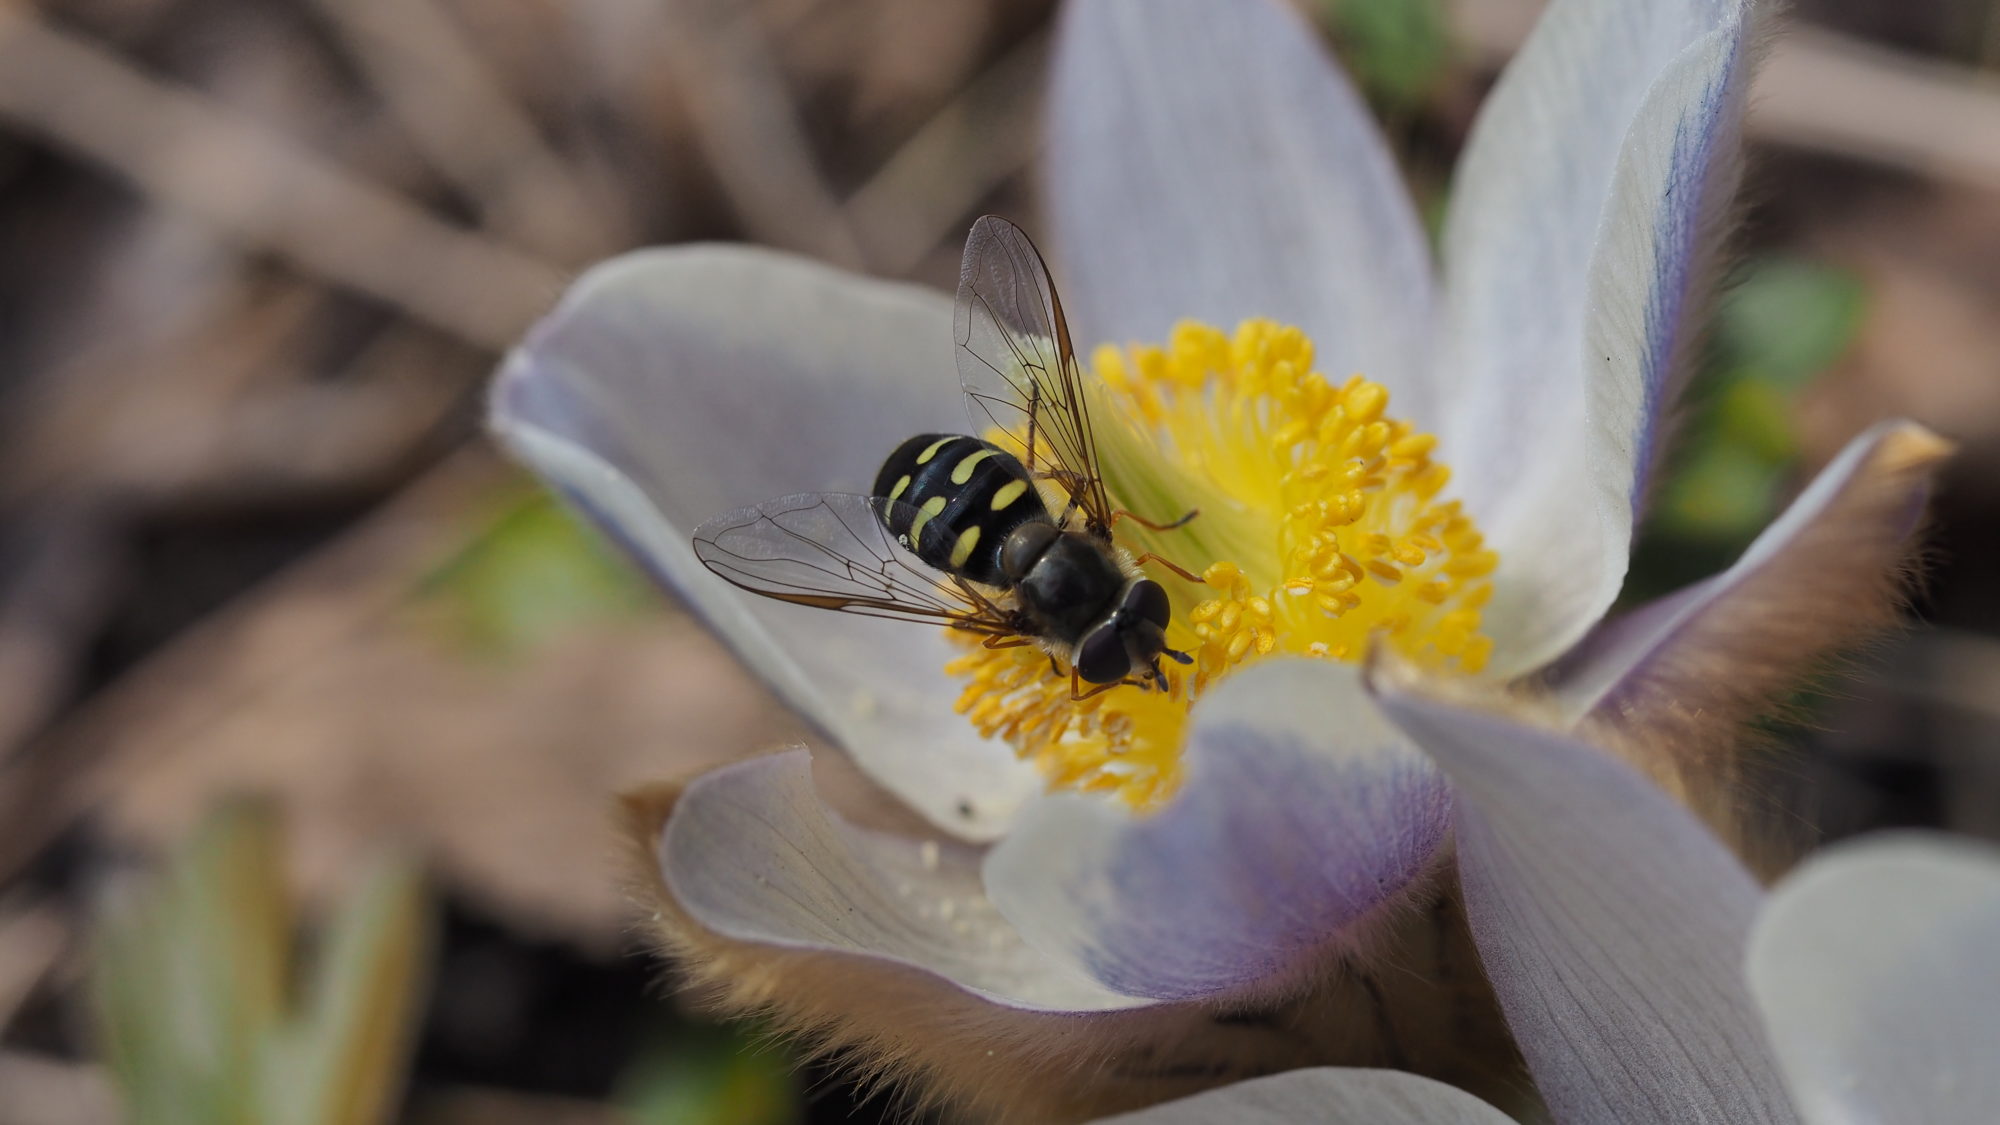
point(746, 125)
point(191, 154)
point(1832, 93)
point(1828, 92)
point(470, 128)
point(981, 137)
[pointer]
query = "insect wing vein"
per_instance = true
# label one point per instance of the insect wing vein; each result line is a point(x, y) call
point(833, 550)
point(1019, 368)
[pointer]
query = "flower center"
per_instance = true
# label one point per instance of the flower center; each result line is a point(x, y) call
point(1320, 535)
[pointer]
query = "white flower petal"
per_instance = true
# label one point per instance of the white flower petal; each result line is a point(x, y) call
point(1208, 160)
point(1332, 1095)
point(1588, 196)
point(1611, 924)
point(751, 853)
point(1303, 817)
point(673, 385)
point(1623, 659)
point(1874, 967)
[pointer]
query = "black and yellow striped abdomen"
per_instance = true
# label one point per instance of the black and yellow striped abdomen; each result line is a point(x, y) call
point(957, 499)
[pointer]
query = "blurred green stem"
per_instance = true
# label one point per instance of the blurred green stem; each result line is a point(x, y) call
point(195, 985)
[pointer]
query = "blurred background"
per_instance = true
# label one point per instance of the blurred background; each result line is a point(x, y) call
point(312, 709)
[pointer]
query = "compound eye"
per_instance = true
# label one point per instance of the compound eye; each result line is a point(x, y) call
point(1148, 601)
point(1101, 657)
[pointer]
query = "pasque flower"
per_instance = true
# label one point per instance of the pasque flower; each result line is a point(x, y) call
point(1649, 978)
point(1146, 894)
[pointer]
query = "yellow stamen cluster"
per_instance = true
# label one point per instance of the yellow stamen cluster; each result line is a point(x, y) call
point(1321, 534)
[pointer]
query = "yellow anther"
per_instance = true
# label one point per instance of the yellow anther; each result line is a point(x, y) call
point(1413, 446)
point(1109, 364)
point(1365, 402)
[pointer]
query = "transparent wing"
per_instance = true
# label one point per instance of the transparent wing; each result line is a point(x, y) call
point(1019, 368)
point(833, 550)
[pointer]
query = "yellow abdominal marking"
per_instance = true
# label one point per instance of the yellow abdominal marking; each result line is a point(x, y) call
point(962, 550)
point(1008, 493)
point(962, 472)
point(925, 514)
point(901, 484)
point(1321, 535)
point(924, 458)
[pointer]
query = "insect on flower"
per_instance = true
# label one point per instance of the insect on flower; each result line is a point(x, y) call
point(956, 530)
point(1418, 477)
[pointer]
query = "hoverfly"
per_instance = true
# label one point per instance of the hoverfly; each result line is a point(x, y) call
point(956, 531)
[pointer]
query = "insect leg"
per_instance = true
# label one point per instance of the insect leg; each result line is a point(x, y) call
point(990, 613)
point(1034, 414)
point(997, 641)
point(1073, 484)
point(1078, 695)
point(1142, 560)
point(1142, 521)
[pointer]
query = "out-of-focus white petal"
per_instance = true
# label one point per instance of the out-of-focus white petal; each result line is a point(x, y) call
point(1874, 967)
point(673, 385)
point(1209, 160)
point(1622, 659)
point(1302, 816)
point(752, 853)
point(1324, 1096)
point(1588, 198)
point(1610, 922)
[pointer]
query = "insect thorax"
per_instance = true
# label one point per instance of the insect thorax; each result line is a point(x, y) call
point(1073, 585)
point(955, 499)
